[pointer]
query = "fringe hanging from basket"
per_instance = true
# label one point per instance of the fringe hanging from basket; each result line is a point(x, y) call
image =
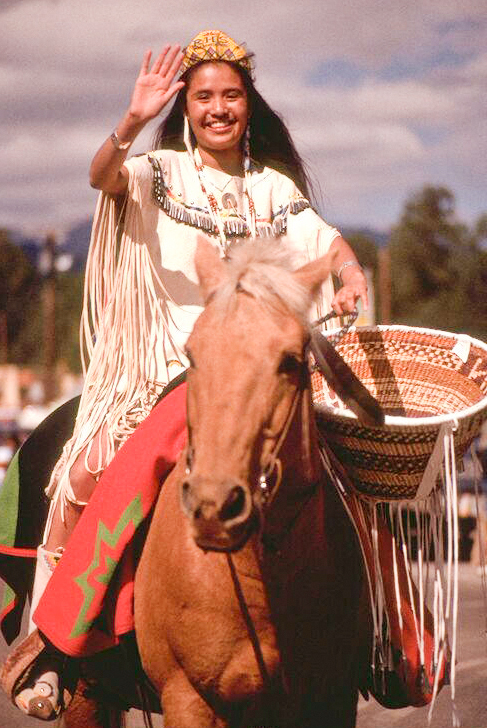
point(402, 478)
point(432, 567)
point(425, 537)
point(422, 571)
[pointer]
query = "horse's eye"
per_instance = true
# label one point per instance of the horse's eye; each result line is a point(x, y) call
point(289, 364)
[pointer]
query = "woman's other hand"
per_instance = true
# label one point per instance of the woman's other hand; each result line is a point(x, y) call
point(354, 287)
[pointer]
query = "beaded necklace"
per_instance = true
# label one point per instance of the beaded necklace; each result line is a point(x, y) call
point(214, 208)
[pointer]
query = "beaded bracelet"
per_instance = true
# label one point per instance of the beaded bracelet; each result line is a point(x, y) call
point(346, 264)
point(120, 146)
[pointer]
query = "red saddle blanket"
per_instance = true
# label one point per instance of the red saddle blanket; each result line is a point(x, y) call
point(94, 579)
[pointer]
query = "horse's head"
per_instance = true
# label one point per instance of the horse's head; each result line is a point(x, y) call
point(246, 381)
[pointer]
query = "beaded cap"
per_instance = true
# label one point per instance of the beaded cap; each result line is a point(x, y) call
point(215, 45)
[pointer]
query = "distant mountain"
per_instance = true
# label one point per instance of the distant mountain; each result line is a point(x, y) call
point(77, 242)
point(75, 245)
point(381, 239)
point(30, 246)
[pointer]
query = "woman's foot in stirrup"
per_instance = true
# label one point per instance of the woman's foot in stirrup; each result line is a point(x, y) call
point(39, 679)
point(39, 696)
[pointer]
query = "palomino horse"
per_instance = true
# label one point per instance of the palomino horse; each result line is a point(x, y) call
point(249, 596)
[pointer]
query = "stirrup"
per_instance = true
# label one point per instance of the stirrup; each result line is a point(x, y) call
point(33, 657)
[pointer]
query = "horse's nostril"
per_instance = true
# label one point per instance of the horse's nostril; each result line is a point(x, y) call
point(234, 504)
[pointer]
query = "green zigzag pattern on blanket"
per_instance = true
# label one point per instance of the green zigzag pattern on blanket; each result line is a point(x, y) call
point(104, 537)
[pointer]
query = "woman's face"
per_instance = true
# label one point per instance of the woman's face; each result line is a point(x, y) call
point(217, 107)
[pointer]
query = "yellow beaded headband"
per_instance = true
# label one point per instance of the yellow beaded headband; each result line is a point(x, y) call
point(214, 45)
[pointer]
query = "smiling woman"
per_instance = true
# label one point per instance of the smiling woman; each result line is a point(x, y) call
point(224, 164)
point(217, 110)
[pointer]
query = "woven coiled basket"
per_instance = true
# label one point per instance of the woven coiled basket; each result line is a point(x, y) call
point(422, 378)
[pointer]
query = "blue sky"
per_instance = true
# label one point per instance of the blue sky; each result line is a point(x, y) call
point(381, 98)
point(340, 70)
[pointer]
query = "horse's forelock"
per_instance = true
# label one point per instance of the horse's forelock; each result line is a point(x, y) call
point(264, 269)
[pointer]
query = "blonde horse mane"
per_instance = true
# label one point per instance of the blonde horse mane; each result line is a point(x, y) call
point(264, 269)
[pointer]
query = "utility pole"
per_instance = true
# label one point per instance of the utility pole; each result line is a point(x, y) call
point(385, 305)
point(48, 271)
point(3, 338)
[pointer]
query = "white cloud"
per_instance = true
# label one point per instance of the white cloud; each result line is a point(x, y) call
point(67, 68)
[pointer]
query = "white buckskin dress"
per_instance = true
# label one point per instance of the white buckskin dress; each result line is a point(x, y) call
point(141, 291)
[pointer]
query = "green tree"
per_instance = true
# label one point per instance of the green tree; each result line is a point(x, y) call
point(438, 266)
point(19, 303)
point(365, 249)
point(21, 312)
point(69, 301)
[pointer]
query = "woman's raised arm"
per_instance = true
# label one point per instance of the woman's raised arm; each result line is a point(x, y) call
point(154, 88)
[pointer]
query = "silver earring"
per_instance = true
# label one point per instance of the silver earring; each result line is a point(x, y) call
point(247, 149)
point(187, 136)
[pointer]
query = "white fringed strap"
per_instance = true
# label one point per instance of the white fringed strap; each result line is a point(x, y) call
point(433, 468)
point(122, 316)
point(436, 590)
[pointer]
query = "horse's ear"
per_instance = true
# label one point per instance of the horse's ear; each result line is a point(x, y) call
point(209, 266)
point(313, 274)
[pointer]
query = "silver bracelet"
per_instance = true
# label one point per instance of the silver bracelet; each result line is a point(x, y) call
point(346, 264)
point(121, 146)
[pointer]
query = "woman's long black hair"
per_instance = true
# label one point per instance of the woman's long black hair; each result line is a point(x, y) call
point(270, 142)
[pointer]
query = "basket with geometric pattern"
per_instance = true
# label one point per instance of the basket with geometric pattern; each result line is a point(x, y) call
point(423, 379)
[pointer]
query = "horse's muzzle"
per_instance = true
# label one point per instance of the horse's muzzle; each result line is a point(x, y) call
point(220, 513)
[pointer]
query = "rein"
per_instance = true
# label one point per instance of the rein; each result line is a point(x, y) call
point(273, 462)
point(352, 317)
point(252, 632)
point(267, 493)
